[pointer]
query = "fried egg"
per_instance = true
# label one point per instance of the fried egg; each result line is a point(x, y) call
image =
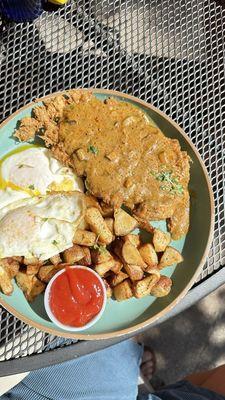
point(33, 170)
point(40, 226)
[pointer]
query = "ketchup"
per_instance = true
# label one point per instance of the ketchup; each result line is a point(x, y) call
point(76, 297)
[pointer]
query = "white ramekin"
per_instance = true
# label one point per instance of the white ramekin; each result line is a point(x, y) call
point(54, 319)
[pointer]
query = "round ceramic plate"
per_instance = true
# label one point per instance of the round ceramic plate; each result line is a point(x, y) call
point(131, 315)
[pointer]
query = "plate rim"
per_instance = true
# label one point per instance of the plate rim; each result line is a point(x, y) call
point(149, 321)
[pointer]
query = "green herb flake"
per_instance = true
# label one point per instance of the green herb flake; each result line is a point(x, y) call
point(31, 187)
point(170, 183)
point(21, 166)
point(93, 149)
point(54, 242)
point(100, 248)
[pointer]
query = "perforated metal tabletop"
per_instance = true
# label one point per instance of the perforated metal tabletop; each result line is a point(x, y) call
point(168, 52)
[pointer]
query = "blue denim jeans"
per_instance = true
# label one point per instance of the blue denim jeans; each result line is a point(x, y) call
point(110, 374)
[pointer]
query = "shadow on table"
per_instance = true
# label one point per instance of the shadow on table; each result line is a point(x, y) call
point(192, 341)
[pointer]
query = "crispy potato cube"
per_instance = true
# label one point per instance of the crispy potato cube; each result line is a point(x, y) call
point(170, 256)
point(46, 272)
point(131, 255)
point(5, 281)
point(116, 279)
point(161, 240)
point(30, 285)
point(18, 258)
point(106, 210)
point(123, 223)
point(134, 271)
point(104, 267)
point(86, 260)
point(73, 254)
point(84, 238)
point(143, 288)
point(134, 239)
point(37, 288)
point(11, 266)
point(117, 266)
point(55, 260)
point(98, 225)
point(123, 291)
point(162, 287)
point(83, 225)
point(108, 289)
point(149, 255)
point(153, 271)
point(145, 225)
point(31, 260)
point(110, 223)
point(32, 269)
point(99, 256)
point(91, 201)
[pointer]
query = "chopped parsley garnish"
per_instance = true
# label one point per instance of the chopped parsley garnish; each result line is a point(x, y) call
point(170, 184)
point(31, 187)
point(66, 97)
point(21, 166)
point(100, 248)
point(93, 149)
point(54, 242)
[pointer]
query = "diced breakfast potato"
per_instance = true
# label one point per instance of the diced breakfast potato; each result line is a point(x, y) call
point(56, 259)
point(104, 267)
point(98, 225)
point(86, 260)
point(83, 225)
point(118, 265)
point(116, 279)
point(32, 260)
point(131, 255)
point(123, 223)
point(108, 289)
point(18, 258)
point(153, 271)
point(143, 288)
point(73, 254)
point(30, 285)
point(11, 266)
point(46, 272)
point(98, 256)
point(145, 225)
point(106, 210)
point(5, 281)
point(110, 223)
point(162, 287)
point(161, 240)
point(134, 271)
point(170, 256)
point(148, 254)
point(84, 238)
point(91, 201)
point(32, 269)
point(123, 291)
point(134, 239)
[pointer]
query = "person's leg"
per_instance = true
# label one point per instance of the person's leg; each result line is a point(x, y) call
point(213, 380)
point(108, 374)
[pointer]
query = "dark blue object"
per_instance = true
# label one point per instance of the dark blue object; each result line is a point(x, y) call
point(21, 10)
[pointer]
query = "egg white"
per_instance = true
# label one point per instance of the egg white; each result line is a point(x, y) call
point(35, 171)
point(41, 226)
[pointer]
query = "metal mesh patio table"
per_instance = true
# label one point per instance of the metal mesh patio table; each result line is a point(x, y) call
point(170, 53)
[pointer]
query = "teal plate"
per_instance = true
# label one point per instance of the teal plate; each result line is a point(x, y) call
point(134, 314)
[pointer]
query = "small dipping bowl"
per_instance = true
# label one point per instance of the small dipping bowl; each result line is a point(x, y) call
point(52, 316)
